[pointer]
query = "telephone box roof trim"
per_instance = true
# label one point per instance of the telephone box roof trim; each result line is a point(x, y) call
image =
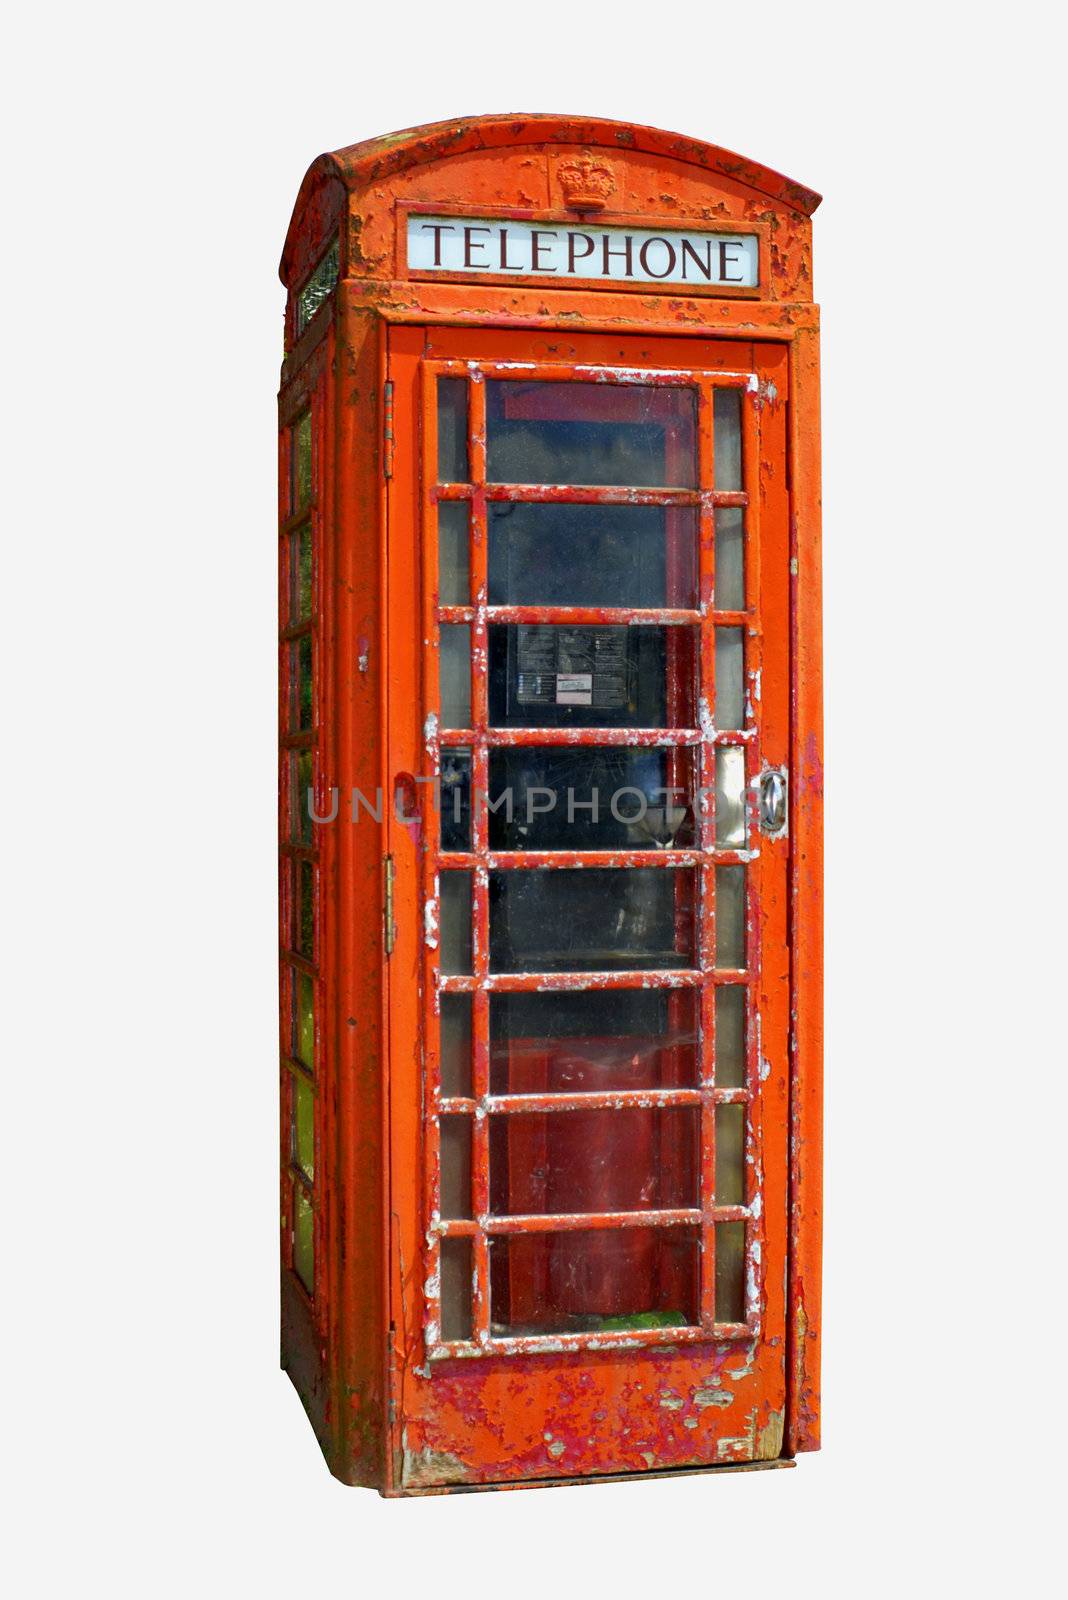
point(371, 161)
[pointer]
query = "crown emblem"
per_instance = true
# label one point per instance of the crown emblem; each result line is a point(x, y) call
point(586, 184)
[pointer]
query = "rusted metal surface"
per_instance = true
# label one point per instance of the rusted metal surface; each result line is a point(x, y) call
point(395, 1405)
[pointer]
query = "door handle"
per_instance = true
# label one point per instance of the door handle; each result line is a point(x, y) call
point(774, 800)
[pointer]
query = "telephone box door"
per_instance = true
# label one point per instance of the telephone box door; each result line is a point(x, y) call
point(588, 705)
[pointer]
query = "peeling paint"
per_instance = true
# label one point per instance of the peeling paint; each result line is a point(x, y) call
point(712, 1397)
point(426, 1468)
point(769, 1439)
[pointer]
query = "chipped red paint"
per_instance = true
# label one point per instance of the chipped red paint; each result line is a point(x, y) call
point(395, 1405)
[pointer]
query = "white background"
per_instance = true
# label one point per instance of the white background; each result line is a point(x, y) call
point(153, 157)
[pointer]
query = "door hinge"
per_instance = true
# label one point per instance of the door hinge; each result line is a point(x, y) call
point(387, 909)
point(387, 428)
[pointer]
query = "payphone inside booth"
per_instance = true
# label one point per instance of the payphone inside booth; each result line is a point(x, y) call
point(550, 807)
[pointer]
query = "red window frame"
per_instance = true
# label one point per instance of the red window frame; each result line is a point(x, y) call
point(480, 860)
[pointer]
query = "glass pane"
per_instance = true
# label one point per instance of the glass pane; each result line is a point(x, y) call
point(581, 1041)
point(730, 1155)
point(587, 1161)
point(456, 1044)
point(319, 287)
point(730, 1036)
point(730, 917)
point(730, 797)
point(727, 417)
point(591, 798)
point(730, 559)
point(300, 680)
point(455, 1167)
point(455, 675)
point(300, 555)
point(455, 922)
point(455, 798)
point(303, 1041)
point(593, 1281)
point(545, 676)
point(452, 430)
point(300, 463)
point(302, 777)
point(303, 1238)
point(456, 1289)
point(590, 919)
point(590, 433)
point(304, 909)
point(570, 555)
point(730, 1271)
point(454, 581)
point(730, 678)
point(303, 1126)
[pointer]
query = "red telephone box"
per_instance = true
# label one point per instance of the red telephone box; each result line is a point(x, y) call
point(550, 807)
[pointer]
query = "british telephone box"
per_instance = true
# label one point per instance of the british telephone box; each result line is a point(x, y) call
point(550, 795)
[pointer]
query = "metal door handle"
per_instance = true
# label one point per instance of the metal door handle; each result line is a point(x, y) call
point(774, 793)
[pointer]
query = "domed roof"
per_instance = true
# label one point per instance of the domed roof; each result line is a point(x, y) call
point(376, 160)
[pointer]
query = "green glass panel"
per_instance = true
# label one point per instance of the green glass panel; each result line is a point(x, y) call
point(302, 770)
point(456, 1289)
point(304, 909)
point(730, 1155)
point(456, 1167)
point(452, 430)
point(304, 1019)
point(454, 580)
point(303, 1238)
point(300, 666)
point(456, 922)
point(728, 432)
point(303, 1126)
point(730, 678)
point(301, 557)
point(730, 559)
point(456, 1044)
point(730, 1036)
point(730, 917)
point(730, 1271)
point(301, 463)
point(454, 667)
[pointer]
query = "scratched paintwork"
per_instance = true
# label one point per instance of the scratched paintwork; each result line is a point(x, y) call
point(649, 1400)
